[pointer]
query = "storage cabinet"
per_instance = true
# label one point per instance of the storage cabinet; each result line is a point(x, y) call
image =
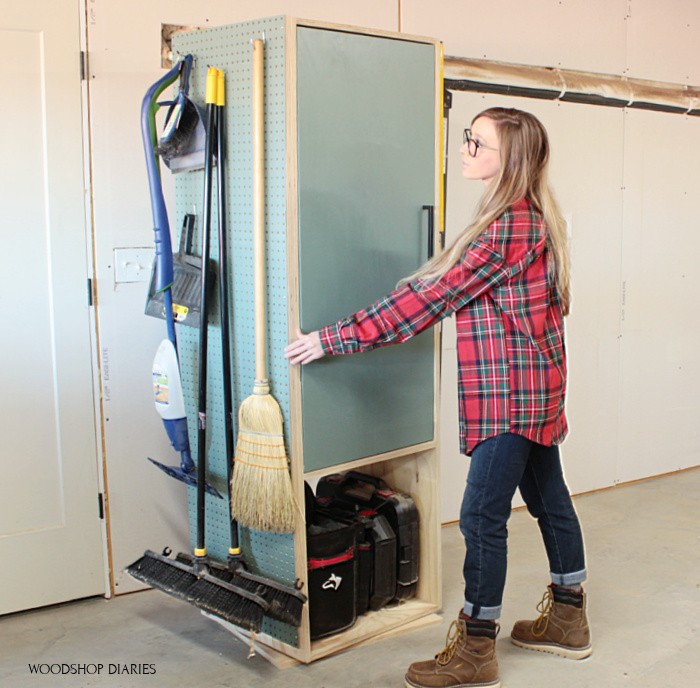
point(352, 153)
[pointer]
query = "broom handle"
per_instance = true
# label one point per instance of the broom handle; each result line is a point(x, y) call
point(261, 382)
point(234, 551)
point(200, 550)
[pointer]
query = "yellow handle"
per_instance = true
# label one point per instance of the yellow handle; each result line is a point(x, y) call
point(212, 80)
point(220, 88)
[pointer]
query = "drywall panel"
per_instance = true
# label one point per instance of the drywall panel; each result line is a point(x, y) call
point(587, 36)
point(136, 44)
point(586, 174)
point(660, 374)
point(147, 509)
point(662, 40)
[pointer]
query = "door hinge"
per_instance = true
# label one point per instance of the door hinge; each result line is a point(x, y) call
point(89, 288)
point(101, 505)
point(83, 65)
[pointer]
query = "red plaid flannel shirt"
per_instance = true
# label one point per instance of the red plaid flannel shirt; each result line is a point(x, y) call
point(510, 331)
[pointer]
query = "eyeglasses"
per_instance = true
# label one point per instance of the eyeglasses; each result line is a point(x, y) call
point(473, 145)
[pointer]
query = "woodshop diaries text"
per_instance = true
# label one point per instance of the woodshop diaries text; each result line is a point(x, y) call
point(92, 669)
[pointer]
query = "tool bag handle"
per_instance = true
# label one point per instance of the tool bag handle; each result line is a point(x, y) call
point(353, 483)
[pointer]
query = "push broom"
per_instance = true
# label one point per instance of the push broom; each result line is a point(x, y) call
point(190, 578)
point(261, 489)
point(285, 602)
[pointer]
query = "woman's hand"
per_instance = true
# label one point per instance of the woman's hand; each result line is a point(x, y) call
point(304, 349)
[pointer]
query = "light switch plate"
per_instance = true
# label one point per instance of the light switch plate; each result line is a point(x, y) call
point(133, 264)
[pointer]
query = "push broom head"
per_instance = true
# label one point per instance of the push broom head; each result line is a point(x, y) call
point(285, 602)
point(261, 488)
point(183, 581)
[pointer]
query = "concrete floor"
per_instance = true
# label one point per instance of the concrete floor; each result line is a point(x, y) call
point(644, 604)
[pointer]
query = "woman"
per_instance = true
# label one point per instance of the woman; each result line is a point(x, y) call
point(506, 278)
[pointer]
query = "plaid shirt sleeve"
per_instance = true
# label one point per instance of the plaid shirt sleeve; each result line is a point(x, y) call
point(417, 305)
point(498, 254)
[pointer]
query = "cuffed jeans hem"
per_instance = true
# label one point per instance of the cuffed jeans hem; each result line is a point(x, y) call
point(568, 578)
point(485, 613)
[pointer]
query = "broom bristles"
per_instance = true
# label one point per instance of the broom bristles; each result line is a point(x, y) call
point(261, 487)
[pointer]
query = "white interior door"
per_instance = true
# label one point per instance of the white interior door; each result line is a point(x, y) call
point(51, 547)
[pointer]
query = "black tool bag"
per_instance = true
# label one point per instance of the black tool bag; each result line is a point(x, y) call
point(352, 491)
point(382, 540)
point(365, 550)
point(331, 547)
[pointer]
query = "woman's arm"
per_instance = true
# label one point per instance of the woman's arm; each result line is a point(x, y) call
point(416, 306)
point(404, 312)
point(489, 261)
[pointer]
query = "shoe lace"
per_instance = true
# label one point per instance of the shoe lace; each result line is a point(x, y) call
point(454, 637)
point(544, 607)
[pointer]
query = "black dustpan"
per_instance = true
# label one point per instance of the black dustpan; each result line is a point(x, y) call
point(186, 286)
point(182, 143)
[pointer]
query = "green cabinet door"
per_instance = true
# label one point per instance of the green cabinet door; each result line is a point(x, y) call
point(366, 147)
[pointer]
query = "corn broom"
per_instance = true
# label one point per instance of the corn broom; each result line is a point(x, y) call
point(261, 486)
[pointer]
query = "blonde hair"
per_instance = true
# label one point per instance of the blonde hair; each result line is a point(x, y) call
point(524, 151)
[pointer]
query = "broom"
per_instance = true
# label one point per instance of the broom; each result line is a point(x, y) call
point(261, 487)
point(286, 603)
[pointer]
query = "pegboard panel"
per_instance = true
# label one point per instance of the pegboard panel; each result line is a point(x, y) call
point(229, 48)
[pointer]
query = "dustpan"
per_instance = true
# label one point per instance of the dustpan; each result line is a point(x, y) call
point(186, 285)
point(182, 144)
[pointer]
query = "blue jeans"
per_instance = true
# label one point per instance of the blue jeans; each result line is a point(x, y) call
point(498, 467)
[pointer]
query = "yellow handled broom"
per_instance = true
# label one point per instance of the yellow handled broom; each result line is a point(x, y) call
point(261, 487)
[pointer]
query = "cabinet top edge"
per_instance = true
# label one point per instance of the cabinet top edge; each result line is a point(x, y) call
point(363, 30)
point(295, 22)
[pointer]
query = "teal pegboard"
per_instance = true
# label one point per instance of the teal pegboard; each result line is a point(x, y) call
point(229, 48)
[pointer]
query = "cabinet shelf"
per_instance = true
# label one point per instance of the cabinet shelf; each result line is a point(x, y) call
point(375, 625)
point(359, 464)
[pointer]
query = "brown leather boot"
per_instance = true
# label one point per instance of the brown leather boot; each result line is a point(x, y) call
point(468, 661)
point(562, 627)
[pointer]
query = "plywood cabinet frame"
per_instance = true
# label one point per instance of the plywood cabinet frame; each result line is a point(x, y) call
point(414, 470)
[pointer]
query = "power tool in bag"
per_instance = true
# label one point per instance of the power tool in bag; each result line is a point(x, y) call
point(362, 496)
